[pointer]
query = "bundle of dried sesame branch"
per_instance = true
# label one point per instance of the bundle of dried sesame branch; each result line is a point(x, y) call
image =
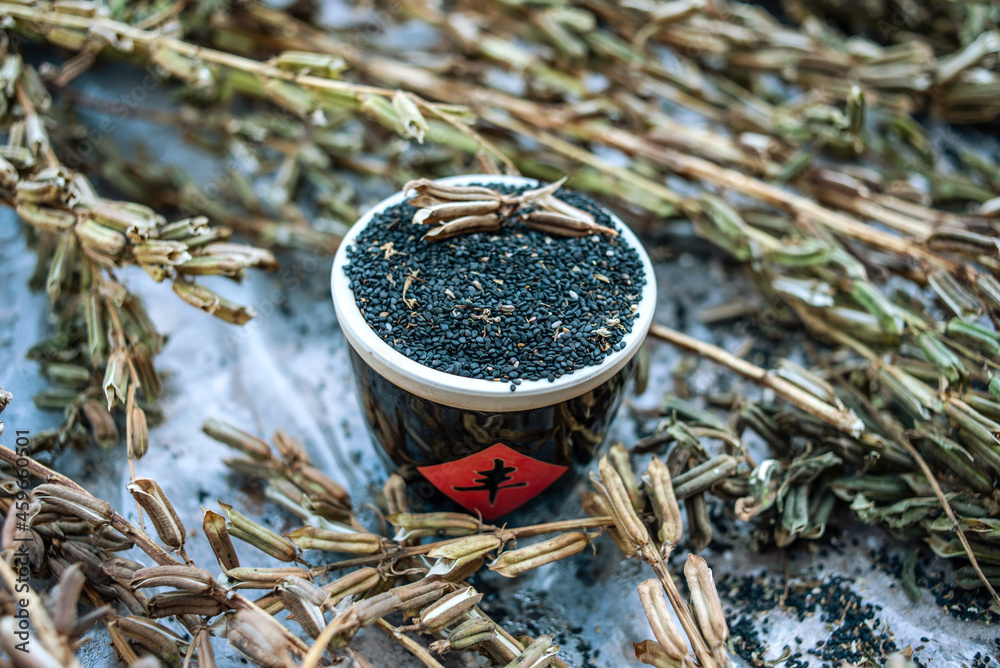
point(102, 357)
point(461, 210)
point(71, 534)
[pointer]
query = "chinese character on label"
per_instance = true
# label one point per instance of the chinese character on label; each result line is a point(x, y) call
point(493, 481)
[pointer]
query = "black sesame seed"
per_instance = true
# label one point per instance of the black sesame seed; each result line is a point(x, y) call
point(556, 309)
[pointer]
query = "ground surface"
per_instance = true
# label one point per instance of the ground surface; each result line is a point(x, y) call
point(288, 369)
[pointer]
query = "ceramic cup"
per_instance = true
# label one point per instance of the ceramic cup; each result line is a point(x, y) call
point(449, 436)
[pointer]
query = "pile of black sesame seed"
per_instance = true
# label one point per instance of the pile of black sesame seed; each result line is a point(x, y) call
point(968, 605)
point(856, 633)
point(510, 305)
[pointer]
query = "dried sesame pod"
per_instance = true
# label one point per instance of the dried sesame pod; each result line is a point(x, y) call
point(250, 256)
point(200, 297)
point(874, 302)
point(160, 251)
point(705, 602)
point(370, 609)
point(71, 375)
point(988, 288)
point(394, 490)
point(558, 224)
point(984, 404)
point(856, 109)
point(8, 174)
point(233, 313)
point(941, 356)
point(102, 424)
point(148, 494)
point(962, 241)
point(661, 495)
point(457, 553)
point(64, 597)
point(464, 225)
point(699, 523)
point(46, 218)
point(317, 485)
point(619, 458)
point(163, 643)
point(96, 339)
point(539, 654)
point(448, 609)
point(61, 266)
point(204, 652)
point(102, 240)
point(74, 503)
point(314, 538)
point(358, 582)
point(514, 562)
point(307, 62)
point(532, 195)
point(309, 615)
point(242, 527)
point(794, 516)
point(470, 633)
point(412, 122)
point(259, 638)
point(213, 265)
point(418, 594)
point(701, 477)
point(553, 203)
point(382, 110)
point(438, 213)
point(289, 449)
point(179, 603)
point(419, 525)
point(983, 339)
point(137, 431)
point(120, 569)
point(450, 193)
point(593, 504)
point(960, 301)
point(116, 378)
point(612, 489)
point(186, 578)
point(179, 230)
point(134, 601)
point(262, 578)
point(306, 589)
point(649, 653)
point(214, 526)
point(654, 603)
point(127, 218)
point(18, 156)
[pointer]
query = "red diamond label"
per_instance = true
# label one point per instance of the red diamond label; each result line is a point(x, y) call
point(493, 481)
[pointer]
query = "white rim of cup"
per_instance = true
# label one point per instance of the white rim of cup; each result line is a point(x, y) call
point(476, 393)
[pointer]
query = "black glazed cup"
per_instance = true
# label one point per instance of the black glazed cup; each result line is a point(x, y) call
point(471, 440)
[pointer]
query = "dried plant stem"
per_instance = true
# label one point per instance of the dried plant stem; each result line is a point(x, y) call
point(947, 509)
point(841, 419)
point(150, 39)
point(412, 646)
